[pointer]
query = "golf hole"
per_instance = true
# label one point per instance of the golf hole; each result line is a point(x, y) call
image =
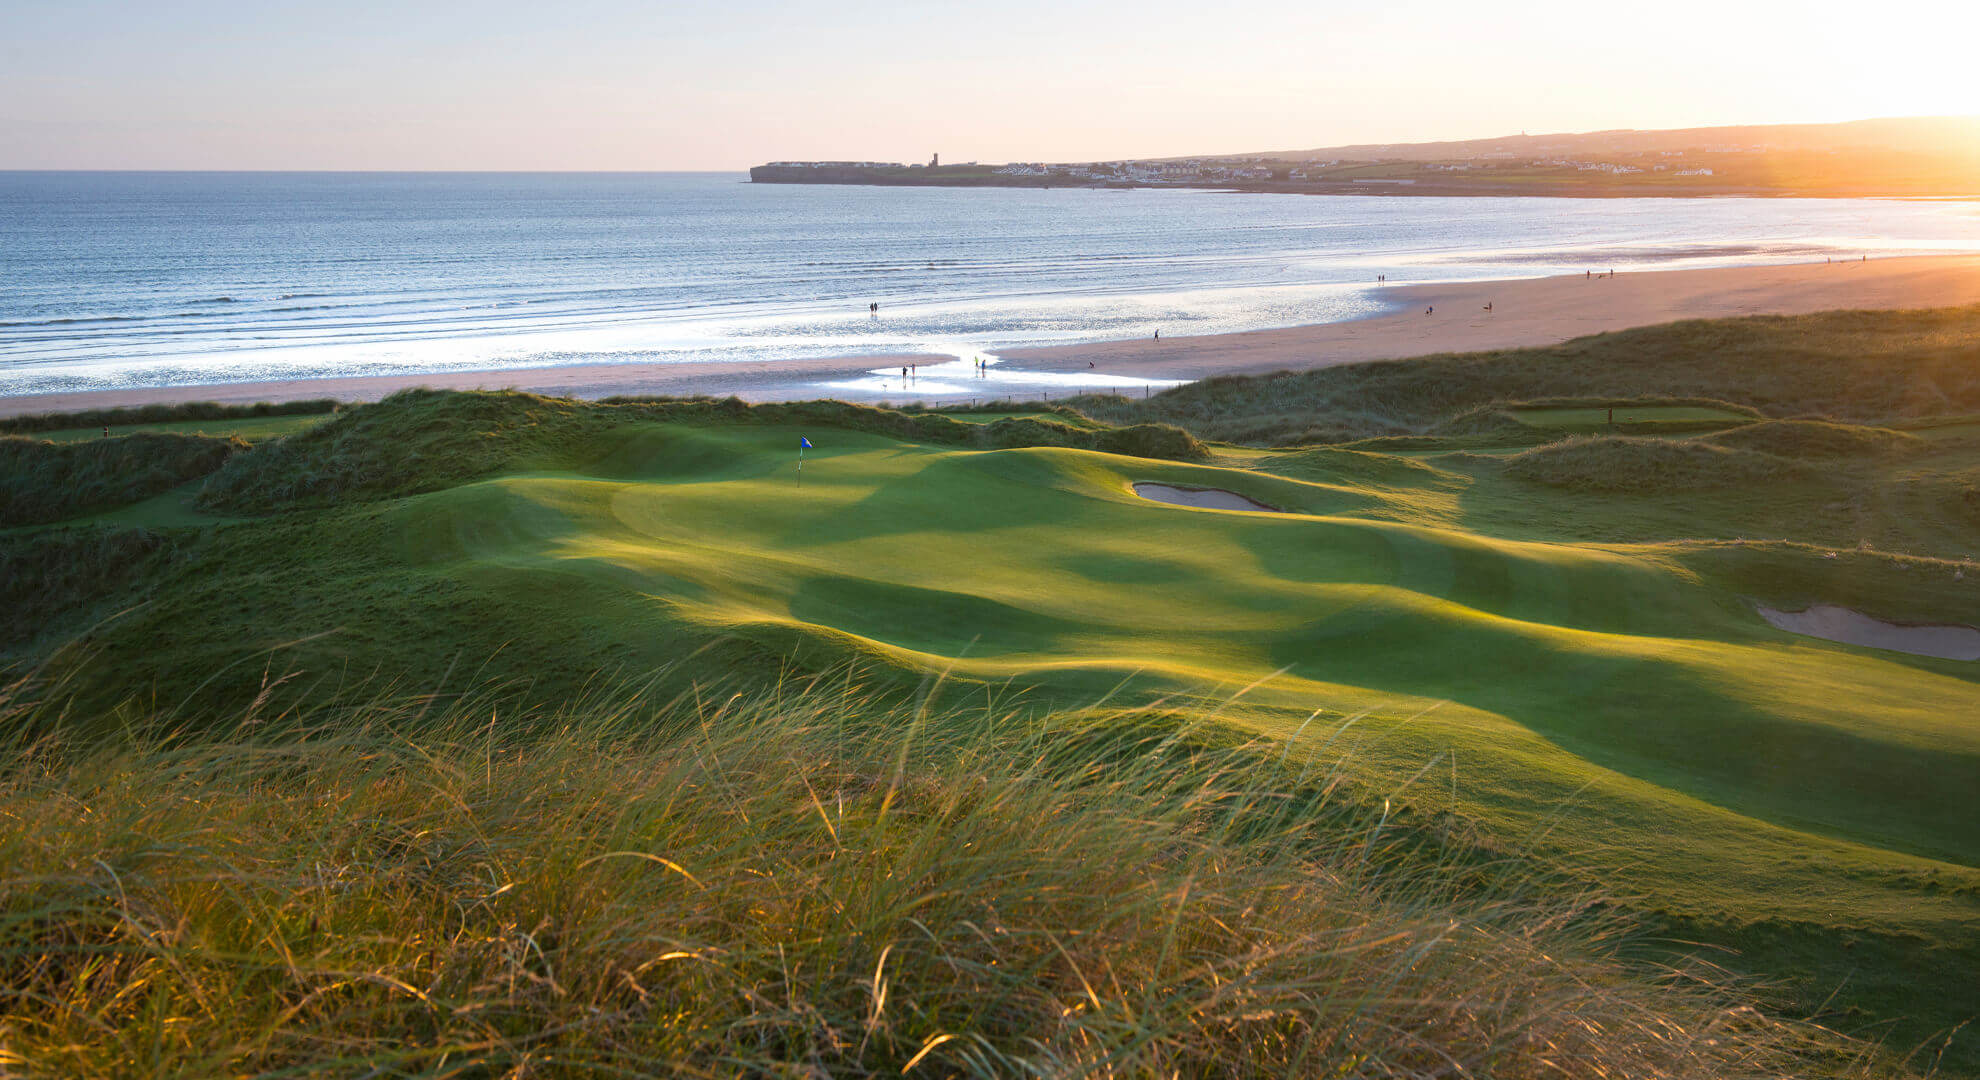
point(1202, 498)
point(1832, 623)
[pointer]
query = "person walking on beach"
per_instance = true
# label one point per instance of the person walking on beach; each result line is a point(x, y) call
point(1428, 310)
point(1158, 335)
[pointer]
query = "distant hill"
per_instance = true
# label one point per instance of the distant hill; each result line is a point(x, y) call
point(1909, 157)
point(1952, 137)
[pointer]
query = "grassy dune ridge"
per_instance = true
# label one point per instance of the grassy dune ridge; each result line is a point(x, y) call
point(1622, 463)
point(1860, 366)
point(144, 415)
point(421, 440)
point(43, 481)
point(1577, 660)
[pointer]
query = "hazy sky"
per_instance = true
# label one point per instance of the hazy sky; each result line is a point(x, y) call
point(637, 84)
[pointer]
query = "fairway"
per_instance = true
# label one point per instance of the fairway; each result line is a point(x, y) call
point(1041, 565)
point(1583, 673)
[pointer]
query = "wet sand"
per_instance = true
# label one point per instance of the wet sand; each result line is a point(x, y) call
point(1528, 312)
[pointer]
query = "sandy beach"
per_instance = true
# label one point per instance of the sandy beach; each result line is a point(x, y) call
point(1537, 311)
point(1429, 319)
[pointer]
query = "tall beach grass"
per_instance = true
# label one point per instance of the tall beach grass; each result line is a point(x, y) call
point(801, 881)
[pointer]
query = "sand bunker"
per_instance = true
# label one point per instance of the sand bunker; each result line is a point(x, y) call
point(1202, 498)
point(1833, 623)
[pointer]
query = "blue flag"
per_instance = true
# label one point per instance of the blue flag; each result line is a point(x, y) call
point(804, 443)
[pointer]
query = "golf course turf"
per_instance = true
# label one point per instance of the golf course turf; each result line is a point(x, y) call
point(1553, 638)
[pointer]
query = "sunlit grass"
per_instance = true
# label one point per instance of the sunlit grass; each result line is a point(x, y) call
point(798, 881)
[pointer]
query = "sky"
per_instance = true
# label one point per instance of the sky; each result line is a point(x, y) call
point(673, 85)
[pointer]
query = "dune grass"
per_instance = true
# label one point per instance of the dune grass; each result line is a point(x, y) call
point(422, 440)
point(798, 879)
point(250, 428)
point(1859, 366)
point(1637, 464)
point(1818, 439)
point(43, 481)
point(200, 412)
point(45, 575)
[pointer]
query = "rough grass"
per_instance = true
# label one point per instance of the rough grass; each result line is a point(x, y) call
point(42, 481)
point(1860, 366)
point(160, 414)
point(48, 574)
point(803, 883)
point(423, 440)
point(1801, 439)
point(1623, 463)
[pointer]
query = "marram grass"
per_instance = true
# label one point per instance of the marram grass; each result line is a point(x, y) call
point(800, 882)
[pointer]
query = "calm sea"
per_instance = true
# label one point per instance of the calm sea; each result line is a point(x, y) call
point(150, 279)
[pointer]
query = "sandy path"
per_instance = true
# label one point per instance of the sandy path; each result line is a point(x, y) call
point(1539, 311)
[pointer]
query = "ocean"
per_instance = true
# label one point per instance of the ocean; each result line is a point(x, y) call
point(118, 280)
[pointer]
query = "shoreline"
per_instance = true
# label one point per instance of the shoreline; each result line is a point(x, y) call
point(1526, 312)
